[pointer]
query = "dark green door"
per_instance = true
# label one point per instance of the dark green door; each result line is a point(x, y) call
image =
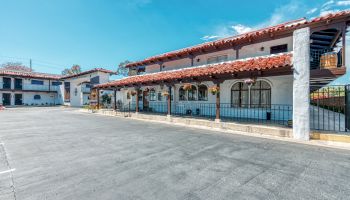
point(6, 99)
point(18, 99)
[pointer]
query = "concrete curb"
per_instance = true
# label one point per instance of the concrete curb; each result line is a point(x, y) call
point(238, 131)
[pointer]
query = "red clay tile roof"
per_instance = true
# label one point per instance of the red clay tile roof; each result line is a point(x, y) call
point(291, 25)
point(26, 74)
point(88, 72)
point(251, 64)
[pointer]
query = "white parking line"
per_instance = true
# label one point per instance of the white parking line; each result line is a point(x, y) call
point(7, 171)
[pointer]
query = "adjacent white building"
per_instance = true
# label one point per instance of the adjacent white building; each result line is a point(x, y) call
point(21, 87)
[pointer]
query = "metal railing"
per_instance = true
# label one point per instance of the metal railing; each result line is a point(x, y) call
point(40, 87)
point(325, 59)
point(262, 114)
point(328, 109)
point(29, 87)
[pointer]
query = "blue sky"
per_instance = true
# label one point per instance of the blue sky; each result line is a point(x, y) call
point(95, 33)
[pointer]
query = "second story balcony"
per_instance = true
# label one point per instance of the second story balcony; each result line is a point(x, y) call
point(29, 87)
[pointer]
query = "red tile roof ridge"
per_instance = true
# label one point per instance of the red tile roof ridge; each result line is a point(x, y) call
point(88, 72)
point(275, 28)
point(29, 74)
point(49, 76)
point(210, 67)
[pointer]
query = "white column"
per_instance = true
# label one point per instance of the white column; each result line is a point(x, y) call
point(301, 84)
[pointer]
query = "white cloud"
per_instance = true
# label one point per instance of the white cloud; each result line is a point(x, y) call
point(311, 11)
point(210, 37)
point(279, 15)
point(343, 3)
point(326, 12)
point(240, 29)
point(294, 9)
point(328, 3)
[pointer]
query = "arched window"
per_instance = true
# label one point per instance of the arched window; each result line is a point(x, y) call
point(240, 95)
point(202, 93)
point(152, 95)
point(37, 97)
point(182, 94)
point(260, 95)
point(192, 93)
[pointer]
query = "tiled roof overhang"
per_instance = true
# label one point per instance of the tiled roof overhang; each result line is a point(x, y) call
point(245, 65)
point(247, 37)
point(38, 75)
point(30, 74)
point(89, 72)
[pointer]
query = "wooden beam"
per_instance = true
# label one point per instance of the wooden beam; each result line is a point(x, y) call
point(115, 99)
point(169, 100)
point(137, 99)
point(344, 46)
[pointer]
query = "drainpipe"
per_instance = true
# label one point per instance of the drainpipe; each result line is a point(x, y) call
point(217, 115)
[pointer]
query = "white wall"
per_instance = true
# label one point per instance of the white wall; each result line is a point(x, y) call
point(77, 99)
point(247, 51)
point(281, 99)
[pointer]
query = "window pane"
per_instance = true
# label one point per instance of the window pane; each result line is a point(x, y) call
point(37, 82)
point(159, 96)
point(182, 94)
point(202, 93)
point(244, 86)
point(236, 86)
point(244, 98)
point(235, 98)
point(192, 94)
point(254, 98)
point(222, 58)
point(152, 95)
point(212, 60)
point(265, 98)
point(265, 85)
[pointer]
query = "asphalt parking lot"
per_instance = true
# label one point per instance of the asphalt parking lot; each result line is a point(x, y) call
point(60, 153)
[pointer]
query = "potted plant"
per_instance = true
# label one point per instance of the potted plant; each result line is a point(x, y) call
point(165, 93)
point(214, 90)
point(187, 86)
point(250, 81)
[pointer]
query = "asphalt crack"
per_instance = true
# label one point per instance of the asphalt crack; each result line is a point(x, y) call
point(10, 170)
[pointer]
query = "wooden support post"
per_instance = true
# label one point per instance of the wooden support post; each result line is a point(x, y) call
point(115, 99)
point(98, 98)
point(217, 116)
point(169, 101)
point(137, 99)
point(344, 46)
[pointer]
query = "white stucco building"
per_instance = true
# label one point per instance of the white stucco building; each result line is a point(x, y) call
point(21, 87)
point(265, 75)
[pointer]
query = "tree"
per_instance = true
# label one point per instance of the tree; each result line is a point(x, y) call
point(122, 70)
point(75, 69)
point(18, 66)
